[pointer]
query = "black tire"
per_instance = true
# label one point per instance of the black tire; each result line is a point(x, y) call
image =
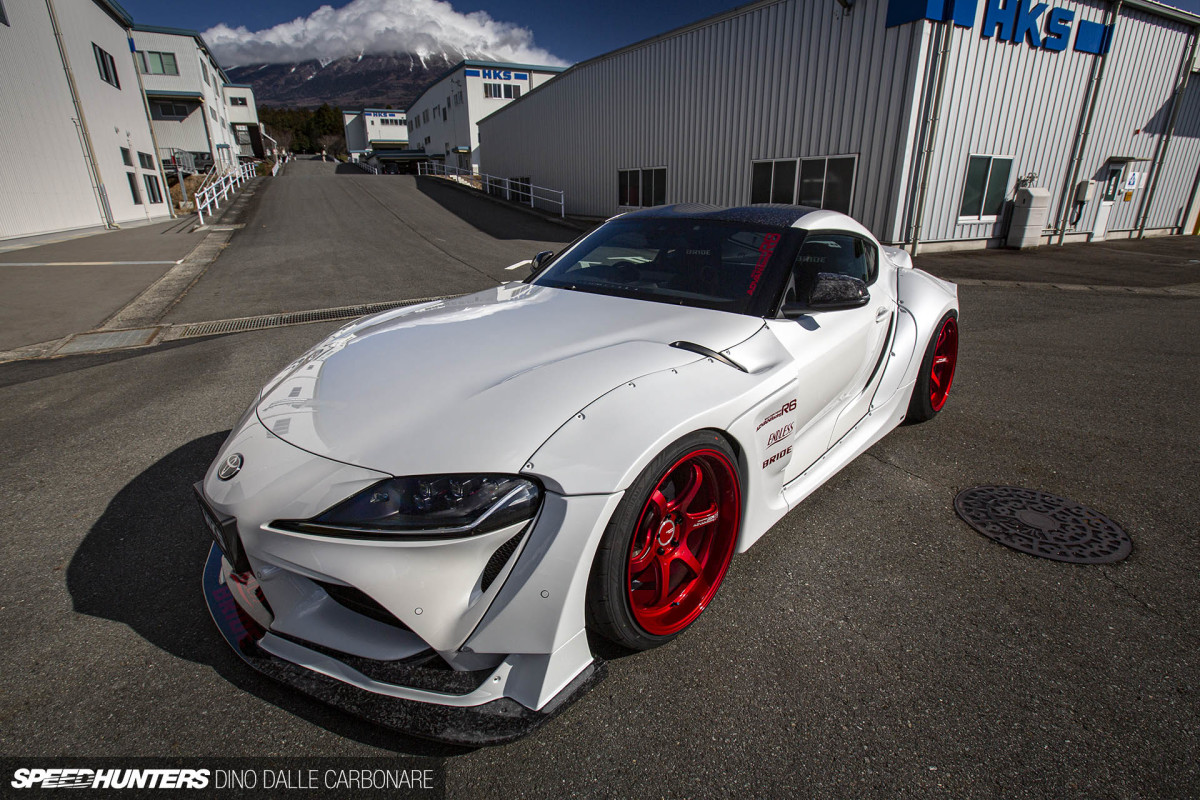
point(611, 587)
point(923, 406)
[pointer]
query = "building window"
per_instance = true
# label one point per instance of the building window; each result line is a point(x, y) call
point(493, 90)
point(204, 73)
point(152, 189)
point(212, 112)
point(818, 182)
point(237, 101)
point(146, 160)
point(126, 157)
point(985, 188)
point(425, 116)
point(642, 187)
point(153, 63)
point(106, 65)
point(511, 91)
point(172, 109)
point(133, 188)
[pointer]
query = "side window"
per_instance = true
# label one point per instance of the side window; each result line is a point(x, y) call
point(840, 253)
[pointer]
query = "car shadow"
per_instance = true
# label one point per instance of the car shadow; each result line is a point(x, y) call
point(140, 565)
point(491, 217)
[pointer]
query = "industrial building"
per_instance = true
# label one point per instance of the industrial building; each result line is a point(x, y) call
point(193, 106)
point(376, 134)
point(79, 151)
point(443, 120)
point(97, 107)
point(937, 123)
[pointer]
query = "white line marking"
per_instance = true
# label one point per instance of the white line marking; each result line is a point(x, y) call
point(81, 263)
point(520, 264)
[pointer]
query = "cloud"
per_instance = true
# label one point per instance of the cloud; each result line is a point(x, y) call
point(377, 27)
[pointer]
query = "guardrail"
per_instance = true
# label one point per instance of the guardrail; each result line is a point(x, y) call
point(512, 190)
point(275, 168)
point(210, 198)
point(365, 167)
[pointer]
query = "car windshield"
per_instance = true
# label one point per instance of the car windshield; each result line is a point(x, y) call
point(727, 266)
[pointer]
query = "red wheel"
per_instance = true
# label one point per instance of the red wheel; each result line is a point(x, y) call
point(937, 372)
point(669, 544)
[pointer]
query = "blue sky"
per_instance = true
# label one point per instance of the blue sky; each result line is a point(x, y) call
point(570, 31)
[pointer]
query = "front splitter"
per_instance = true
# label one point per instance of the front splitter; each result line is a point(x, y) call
point(494, 722)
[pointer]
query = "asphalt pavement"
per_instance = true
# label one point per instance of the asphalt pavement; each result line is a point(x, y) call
point(327, 234)
point(870, 645)
point(54, 288)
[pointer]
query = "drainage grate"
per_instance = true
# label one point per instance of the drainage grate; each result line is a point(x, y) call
point(292, 318)
point(93, 342)
point(1043, 524)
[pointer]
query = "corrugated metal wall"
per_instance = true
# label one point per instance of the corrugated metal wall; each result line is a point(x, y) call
point(1010, 99)
point(1181, 168)
point(116, 116)
point(800, 78)
point(43, 174)
point(780, 80)
point(1136, 96)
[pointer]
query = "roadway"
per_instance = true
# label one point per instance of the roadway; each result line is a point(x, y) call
point(870, 645)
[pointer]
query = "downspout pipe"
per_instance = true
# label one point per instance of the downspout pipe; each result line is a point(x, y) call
point(1160, 153)
point(1085, 131)
point(941, 49)
point(89, 151)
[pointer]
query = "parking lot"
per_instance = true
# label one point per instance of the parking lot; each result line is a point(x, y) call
point(870, 645)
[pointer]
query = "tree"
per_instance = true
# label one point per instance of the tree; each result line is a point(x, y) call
point(333, 143)
point(283, 137)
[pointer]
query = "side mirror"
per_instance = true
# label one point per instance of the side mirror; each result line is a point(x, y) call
point(830, 293)
point(539, 261)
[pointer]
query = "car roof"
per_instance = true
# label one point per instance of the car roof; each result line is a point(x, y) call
point(774, 214)
point(763, 214)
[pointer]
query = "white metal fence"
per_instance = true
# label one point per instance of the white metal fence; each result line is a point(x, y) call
point(515, 190)
point(210, 197)
point(371, 168)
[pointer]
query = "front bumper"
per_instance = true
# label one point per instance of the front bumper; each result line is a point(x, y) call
point(427, 701)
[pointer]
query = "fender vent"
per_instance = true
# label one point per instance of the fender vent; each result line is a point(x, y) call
point(360, 603)
point(498, 560)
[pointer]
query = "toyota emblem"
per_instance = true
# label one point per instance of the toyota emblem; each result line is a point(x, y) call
point(230, 466)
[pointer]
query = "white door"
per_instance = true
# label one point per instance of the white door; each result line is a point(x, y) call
point(1112, 186)
point(835, 351)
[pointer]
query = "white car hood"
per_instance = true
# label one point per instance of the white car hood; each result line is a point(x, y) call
point(477, 383)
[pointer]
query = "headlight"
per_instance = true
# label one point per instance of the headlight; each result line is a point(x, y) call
point(427, 505)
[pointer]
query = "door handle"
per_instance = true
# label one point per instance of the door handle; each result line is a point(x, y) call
point(880, 313)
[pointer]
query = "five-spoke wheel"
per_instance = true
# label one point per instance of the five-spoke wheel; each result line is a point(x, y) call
point(937, 371)
point(669, 544)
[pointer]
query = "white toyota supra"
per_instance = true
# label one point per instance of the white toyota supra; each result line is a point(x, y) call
point(430, 517)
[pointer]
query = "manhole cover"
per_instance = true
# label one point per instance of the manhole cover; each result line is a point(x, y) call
point(1043, 524)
